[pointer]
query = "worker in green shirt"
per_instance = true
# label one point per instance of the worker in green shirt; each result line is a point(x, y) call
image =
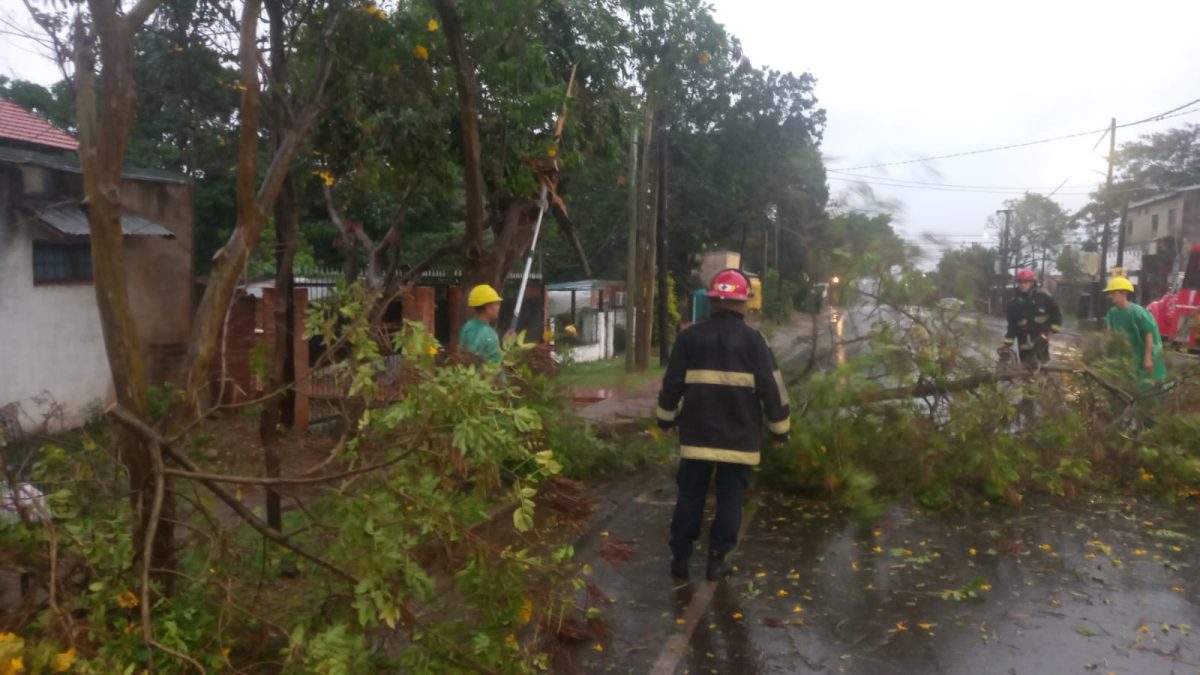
point(1139, 328)
point(477, 335)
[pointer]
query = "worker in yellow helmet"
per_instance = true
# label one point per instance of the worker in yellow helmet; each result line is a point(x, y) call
point(477, 335)
point(1140, 330)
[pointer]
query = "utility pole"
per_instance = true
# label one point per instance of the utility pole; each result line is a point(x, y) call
point(1124, 225)
point(664, 321)
point(778, 270)
point(1003, 271)
point(1004, 243)
point(631, 252)
point(1112, 155)
point(648, 215)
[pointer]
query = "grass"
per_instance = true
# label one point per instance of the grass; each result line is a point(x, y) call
point(606, 373)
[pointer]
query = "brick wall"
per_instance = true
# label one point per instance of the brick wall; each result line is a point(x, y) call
point(250, 339)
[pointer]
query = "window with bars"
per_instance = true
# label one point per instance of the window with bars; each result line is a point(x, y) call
point(61, 263)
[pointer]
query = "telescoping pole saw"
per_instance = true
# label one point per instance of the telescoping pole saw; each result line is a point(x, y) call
point(543, 203)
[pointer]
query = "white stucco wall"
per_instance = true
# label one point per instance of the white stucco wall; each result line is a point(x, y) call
point(50, 337)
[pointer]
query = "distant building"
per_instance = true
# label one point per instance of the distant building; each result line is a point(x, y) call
point(53, 364)
point(1159, 231)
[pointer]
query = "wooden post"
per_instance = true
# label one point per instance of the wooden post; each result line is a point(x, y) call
point(1097, 302)
point(664, 323)
point(631, 254)
point(648, 214)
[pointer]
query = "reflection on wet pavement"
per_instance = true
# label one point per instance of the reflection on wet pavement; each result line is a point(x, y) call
point(1096, 586)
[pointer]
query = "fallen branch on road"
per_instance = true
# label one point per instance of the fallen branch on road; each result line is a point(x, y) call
point(971, 382)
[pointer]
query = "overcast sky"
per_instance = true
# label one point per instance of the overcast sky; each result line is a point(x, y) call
point(902, 80)
point(907, 80)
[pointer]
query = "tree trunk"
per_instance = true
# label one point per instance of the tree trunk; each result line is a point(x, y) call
point(253, 201)
point(468, 113)
point(104, 129)
point(281, 408)
point(643, 332)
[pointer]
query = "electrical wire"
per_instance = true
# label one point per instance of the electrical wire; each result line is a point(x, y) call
point(940, 188)
point(1173, 112)
point(949, 185)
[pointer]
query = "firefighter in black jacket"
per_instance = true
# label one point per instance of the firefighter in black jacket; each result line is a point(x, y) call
point(720, 381)
point(1032, 317)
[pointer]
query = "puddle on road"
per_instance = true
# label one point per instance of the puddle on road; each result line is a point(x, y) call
point(1100, 586)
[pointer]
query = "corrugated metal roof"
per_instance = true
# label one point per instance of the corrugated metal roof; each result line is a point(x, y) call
point(70, 164)
point(585, 285)
point(1164, 195)
point(18, 124)
point(71, 221)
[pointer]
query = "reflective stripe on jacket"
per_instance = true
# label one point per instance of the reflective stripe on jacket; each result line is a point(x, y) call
point(1030, 316)
point(720, 382)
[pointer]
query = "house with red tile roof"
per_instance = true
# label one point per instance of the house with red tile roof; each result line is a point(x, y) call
point(19, 127)
point(53, 365)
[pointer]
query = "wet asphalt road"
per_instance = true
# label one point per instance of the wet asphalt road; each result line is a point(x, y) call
point(1106, 585)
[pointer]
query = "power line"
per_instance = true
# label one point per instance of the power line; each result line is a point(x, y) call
point(1072, 174)
point(1173, 112)
point(949, 185)
point(940, 188)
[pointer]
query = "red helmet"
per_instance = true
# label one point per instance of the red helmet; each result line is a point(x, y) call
point(729, 284)
point(1026, 275)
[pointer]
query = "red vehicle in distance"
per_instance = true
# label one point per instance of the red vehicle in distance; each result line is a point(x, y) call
point(1178, 312)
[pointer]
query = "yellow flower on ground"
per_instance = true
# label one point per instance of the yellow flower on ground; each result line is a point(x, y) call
point(737, 616)
point(598, 647)
point(902, 625)
point(431, 350)
point(782, 593)
point(421, 52)
point(15, 665)
point(325, 176)
point(433, 25)
point(127, 600)
point(552, 151)
point(64, 661)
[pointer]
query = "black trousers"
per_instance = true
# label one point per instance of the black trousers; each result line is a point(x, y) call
point(1038, 352)
point(693, 479)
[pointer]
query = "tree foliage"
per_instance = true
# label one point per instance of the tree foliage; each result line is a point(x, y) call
point(967, 273)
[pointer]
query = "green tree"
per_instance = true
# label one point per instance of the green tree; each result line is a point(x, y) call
point(1036, 231)
point(967, 273)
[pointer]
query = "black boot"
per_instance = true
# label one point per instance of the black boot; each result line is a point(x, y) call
point(679, 569)
point(718, 566)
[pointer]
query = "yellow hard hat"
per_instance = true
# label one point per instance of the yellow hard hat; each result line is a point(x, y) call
point(1119, 284)
point(482, 295)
